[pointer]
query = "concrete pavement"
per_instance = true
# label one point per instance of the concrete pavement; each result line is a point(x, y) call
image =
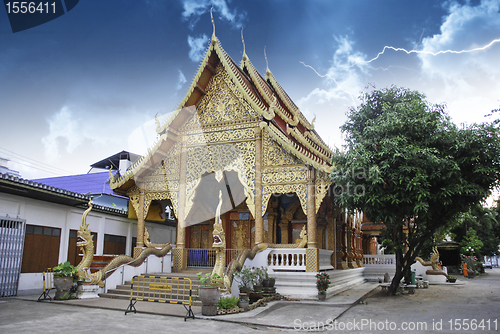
point(477, 300)
point(278, 314)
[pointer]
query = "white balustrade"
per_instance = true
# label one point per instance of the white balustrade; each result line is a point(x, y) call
point(289, 259)
point(379, 259)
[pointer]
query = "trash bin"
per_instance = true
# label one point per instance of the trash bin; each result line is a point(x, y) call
point(412, 277)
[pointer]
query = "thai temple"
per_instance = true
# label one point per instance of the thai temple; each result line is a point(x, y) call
point(239, 133)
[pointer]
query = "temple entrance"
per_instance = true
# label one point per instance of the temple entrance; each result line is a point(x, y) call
point(201, 218)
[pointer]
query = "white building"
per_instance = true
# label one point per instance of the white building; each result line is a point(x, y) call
point(38, 224)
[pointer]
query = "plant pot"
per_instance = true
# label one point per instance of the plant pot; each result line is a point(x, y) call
point(269, 282)
point(322, 296)
point(243, 296)
point(244, 304)
point(254, 296)
point(257, 287)
point(209, 295)
point(452, 280)
point(63, 286)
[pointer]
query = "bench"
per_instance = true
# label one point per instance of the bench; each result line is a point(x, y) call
point(161, 289)
point(48, 284)
point(408, 287)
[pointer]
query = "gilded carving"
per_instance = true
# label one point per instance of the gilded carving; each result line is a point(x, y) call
point(222, 103)
point(274, 154)
point(322, 184)
point(133, 195)
point(237, 157)
point(299, 188)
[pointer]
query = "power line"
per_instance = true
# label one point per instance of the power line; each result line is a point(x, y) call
point(32, 163)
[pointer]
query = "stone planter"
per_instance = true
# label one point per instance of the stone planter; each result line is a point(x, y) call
point(209, 297)
point(244, 304)
point(269, 282)
point(86, 291)
point(63, 286)
point(322, 296)
point(254, 296)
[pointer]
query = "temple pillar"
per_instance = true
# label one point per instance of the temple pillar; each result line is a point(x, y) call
point(284, 231)
point(140, 222)
point(341, 245)
point(321, 228)
point(259, 221)
point(311, 211)
point(312, 252)
point(359, 259)
point(351, 246)
point(373, 246)
point(180, 251)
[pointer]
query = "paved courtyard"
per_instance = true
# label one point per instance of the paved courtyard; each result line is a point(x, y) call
point(472, 305)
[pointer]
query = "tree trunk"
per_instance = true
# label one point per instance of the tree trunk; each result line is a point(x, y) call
point(404, 260)
point(399, 248)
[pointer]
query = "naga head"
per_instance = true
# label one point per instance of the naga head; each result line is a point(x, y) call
point(303, 233)
point(218, 232)
point(84, 237)
point(435, 255)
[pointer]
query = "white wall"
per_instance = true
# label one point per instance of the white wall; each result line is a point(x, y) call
point(37, 212)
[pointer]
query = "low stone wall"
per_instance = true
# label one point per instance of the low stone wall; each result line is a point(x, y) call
point(376, 266)
point(302, 285)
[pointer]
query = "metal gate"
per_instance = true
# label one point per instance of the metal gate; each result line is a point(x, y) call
point(11, 254)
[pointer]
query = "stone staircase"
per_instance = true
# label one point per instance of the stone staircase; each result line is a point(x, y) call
point(122, 291)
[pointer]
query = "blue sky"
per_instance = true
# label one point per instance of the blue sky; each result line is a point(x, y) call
point(88, 84)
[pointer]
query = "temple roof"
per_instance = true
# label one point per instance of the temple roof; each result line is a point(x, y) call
point(282, 119)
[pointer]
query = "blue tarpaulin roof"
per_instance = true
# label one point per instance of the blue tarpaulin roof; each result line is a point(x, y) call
point(92, 183)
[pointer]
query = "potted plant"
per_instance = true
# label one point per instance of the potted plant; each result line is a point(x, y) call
point(267, 282)
point(64, 277)
point(208, 292)
point(258, 277)
point(451, 279)
point(322, 284)
point(245, 278)
point(228, 304)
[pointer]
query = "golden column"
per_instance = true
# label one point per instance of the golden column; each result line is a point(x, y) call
point(140, 221)
point(312, 252)
point(311, 211)
point(341, 227)
point(259, 221)
point(180, 253)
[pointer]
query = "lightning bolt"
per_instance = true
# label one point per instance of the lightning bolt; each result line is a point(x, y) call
point(427, 52)
point(397, 50)
point(330, 77)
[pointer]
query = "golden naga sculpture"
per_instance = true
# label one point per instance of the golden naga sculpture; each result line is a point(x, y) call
point(86, 245)
point(237, 264)
point(219, 242)
point(434, 263)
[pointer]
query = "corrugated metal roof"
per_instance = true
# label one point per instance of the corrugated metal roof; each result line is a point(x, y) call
point(46, 192)
point(93, 183)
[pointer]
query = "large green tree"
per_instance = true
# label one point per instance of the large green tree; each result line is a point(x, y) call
point(485, 222)
point(406, 165)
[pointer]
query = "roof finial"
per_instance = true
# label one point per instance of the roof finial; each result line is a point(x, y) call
point(268, 72)
point(243, 40)
point(213, 23)
point(265, 55)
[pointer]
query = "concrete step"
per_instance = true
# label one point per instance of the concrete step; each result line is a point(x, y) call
point(114, 296)
point(122, 291)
